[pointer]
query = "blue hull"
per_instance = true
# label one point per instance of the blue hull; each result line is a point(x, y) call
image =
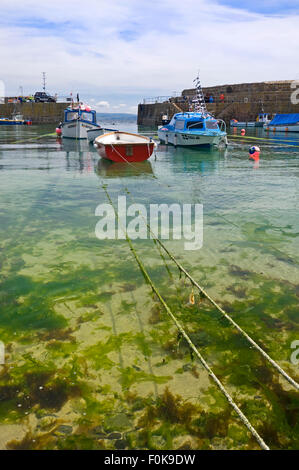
point(11, 123)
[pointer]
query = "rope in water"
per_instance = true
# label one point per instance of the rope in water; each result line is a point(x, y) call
point(265, 139)
point(230, 400)
point(163, 185)
point(33, 138)
point(205, 294)
point(127, 161)
point(257, 138)
point(280, 142)
point(249, 339)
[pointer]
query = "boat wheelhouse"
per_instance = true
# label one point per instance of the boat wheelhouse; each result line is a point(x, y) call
point(77, 121)
point(262, 119)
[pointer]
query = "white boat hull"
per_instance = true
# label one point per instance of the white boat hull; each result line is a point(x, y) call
point(243, 124)
point(92, 134)
point(76, 129)
point(188, 140)
point(290, 128)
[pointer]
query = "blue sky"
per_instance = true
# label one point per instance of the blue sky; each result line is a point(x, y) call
point(269, 7)
point(117, 52)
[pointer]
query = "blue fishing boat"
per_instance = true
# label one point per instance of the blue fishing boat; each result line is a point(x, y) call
point(16, 120)
point(78, 119)
point(284, 122)
point(194, 128)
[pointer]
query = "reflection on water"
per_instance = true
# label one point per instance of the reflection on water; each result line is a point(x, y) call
point(91, 359)
point(108, 169)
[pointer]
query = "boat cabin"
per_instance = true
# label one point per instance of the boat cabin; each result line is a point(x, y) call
point(73, 114)
point(263, 117)
point(193, 122)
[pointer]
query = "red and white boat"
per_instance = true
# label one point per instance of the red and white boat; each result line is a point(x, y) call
point(124, 147)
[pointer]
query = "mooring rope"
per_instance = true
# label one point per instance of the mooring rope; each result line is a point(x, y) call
point(127, 161)
point(52, 134)
point(264, 140)
point(228, 317)
point(250, 137)
point(230, 400)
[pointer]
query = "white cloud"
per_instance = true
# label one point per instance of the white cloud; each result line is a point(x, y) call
point(129, 50)
point(102, 104)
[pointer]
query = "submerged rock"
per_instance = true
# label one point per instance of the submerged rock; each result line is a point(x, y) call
point(99, 432)
point(65, 429)
point(114, 435)
point(119, 421)
point(158, 441)
point(121, 444)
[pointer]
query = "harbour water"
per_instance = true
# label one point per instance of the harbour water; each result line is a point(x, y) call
point(91, 359)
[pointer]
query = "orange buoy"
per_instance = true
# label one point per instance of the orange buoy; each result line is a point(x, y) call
point(254, 153)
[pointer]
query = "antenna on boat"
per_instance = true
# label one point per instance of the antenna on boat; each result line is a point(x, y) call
point(199, 100)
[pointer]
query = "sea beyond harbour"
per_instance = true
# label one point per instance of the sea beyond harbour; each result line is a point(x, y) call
point(92, 361)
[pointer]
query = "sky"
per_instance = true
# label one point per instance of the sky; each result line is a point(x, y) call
point(115, 53)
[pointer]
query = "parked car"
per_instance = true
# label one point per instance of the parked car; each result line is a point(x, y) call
point(42, 97)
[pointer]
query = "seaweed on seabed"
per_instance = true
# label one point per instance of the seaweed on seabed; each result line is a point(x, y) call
point(155, 315)
point(32, 442)
point(42, 389)
point(49, 441)
point(172, 347)
point(212, 424)
point(165, 417)
point(61, 334)
point(171, 408)
point(128, 287)
point(53, 394)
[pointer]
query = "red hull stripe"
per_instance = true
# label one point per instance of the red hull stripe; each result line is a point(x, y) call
point(126, 153)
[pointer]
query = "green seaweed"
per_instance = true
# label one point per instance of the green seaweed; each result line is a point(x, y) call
point(129, 377)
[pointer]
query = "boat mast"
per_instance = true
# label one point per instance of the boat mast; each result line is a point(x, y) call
point(199, 99)
point(44, 81)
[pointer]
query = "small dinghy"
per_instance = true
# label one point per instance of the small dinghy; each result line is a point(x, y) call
point(92, 134)
point(124, 147)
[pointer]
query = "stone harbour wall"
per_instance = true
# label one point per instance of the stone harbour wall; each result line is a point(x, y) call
point(37, 112)
point(241, 101)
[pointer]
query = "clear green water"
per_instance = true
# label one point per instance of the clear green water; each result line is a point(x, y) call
point(92, 361)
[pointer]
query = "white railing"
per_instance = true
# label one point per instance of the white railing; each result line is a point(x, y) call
point(157, 99)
